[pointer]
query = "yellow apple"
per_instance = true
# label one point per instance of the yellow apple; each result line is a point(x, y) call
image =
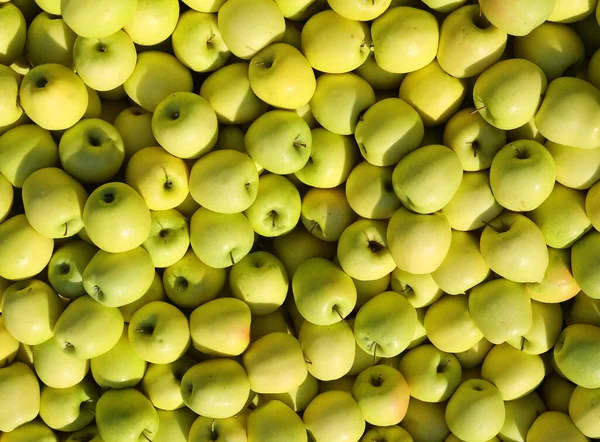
point(69, 409)
point(162, 383)
point(13, 34)
point(8, 345)
point(135, 126)
point(370, 191)
point(334, 416)
point(55, 368)
point(153, 21)
point(359, 10)
point(424, 421)
point(566, 11)
point(583, 409)
point(174, 426)
point(19, 396)
point(6, 197)
point(558, 284)
point(9, 92)
point(98, 18)
point(553, 426)
point(49, 40)
point(575, 168)
point(556, 392)
point(276, 422)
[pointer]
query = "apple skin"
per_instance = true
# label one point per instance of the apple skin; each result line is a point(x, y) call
point(592, 205)
point(14, 33)
point(520, 416)
point(584, 264)
point(135, 126)
point(153, 21)
point(69, 409)
point(8, 345)
point(9, 91)
point(205, 429)
point(276, 422)
point(7, 195)
point(558, 284)
point(326, 213)
point(18, 380)
point(55, 368)
point(556, 392)
point(582, 409)
point(420, 290)
point(169, 238)
point(424, 421)
point(32, 430)
point(583, 310)
point(49, 40)
point(298, 398)
point(379, 79)
point(334, 416)
point(174, 426)
point(515, 17)
point(156, 292)
point(576, 354)
point(162, 383)
point(554, 426)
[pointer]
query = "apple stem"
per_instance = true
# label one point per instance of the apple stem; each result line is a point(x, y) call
point(66, 229)
point(307, 360)
point(314, 225)
point(213, 432)
point(476, 111)
point(337, 310)
point(231, 258)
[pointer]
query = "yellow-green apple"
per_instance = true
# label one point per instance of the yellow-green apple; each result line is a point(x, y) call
point(55, 368)
point(496, 100)
point(442, 5)
point(7, 197)
point(156, 76)
point(89, 434)
point(334, 416)
point(475, 355)
point(388, 131)
point(280, 76)
point(362, 359)
point(120, 367)
point(556, 391)
point(25, 355)
point(8, 346)
point(450, 326)
point(558, 284)
point(153, 21)
point(190, 283)
point(335, 44)
point(35, 430)
point(583, 409)
point(69, 409)
point(297, 398)
point(275, 363)
point(47, 86)
point(169, 238)
point(572, 11)
point(405, 39)
point(19, 396)
point(135, 126)
point(592, 205)
point(517, 18)
point(514, 248)
point(423, 421)
point(113, 103)
point(583, 310)
point(326, 213)
point(576, 354)
point(13, 34)
point(185, 125)
point(162, 383)
point(339, 101)
point(379, 79)
point(420, 290)
point(39, 303)
point(299, 9)
point(275, 421)
point(358, 10)
point(418, 243)
point(546, 326)
point(224, 172)
point(220, 240)
point(217, 388)
point(569, 113)
point(156, 292)
point(205, 429)
point(554, 426)
point(520, 416)
point(9, 91)
point(392, 433)
point(232, 137)
point(431, 374)
point(159, 333)
point(528, 131)
point(344, 384)
point(271, 322)
point(53, 202)
point(229, 93)
point(97, 19)
point(174, 426)
point(125, 415)
point(416, 178)
point(366, 290)
point(370, 191)
point(475, 411)
point(261, 281)
point(584, 264)
point(104, 63)
point(593, 72)
point(116, 218)
point(87, 329)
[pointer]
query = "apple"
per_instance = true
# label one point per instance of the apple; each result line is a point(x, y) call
point(584, 264)
point(7, 195)
point(474, 356)
point(423, 421)
point(575, 168)
point(87, 329)
point(554, 426)
point(156, 76)
point(467, 32)
point(450, 326)
point(217, 388)
point(14, 33)
point(370, 191)
point(546, 326)
point(33, 430)
point(575, 354)
point(174, 426)
point(297, 398)
point(344, 384)
point(185, 125)
point(8, 346)
point(379, 79)
point(583, 407)
point(277, 422)
point(89, 434)
point(50, 85)
point(592, 205)
point(366, 290)
point(224, 172)
point(517, 18)
point(169, 238)
point(153, 21)
point(583, 310)
point(135, 126)
point(475, 411)
point(162, 383)
point(18, 381)
point(276, 321)
point(55, 368)
point(9, 91)
point(556, 391)
point(69, 409)
point(229, 93)
point(125, 415)
point(569, 12)
point(217, 430)
point(159, 333)
point(558, 284)
point(334, 416)
point(418, 242)
point(520, 416)
point(405, 39)
point(420, 290)
point(392, 433)
point(326, 213)
point(190, 283)
point(90, 19)
point(592, 69)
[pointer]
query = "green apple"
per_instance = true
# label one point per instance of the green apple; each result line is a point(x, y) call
point(156, 76)
point(88, 434)
point(358, 10)
point(335, 44)
point(370, 191)
point(418, 243)
point(169, 238)
point(217, 388)
point(339, 100)
point(125, 415)
point(334, 416)
point(116, 218)
point(153, 21)
point(379, 79)
point(185, 125)
point(275, 363)
point(420, 290)
point(229, 93)
point(576, 354)
point(558, 284)
point(520, 415)
point(583, 407)
point(224, 172)
point(9, 91)
point(261, 281)
point(405, 39)
point(556, 392)
point(276, 422)
point(8, 346)
point(516, 17)
point(297, 398)
point(7, 195)
point(87, 329)
point(569, 113)
point(47, 86)
point(174, 426)
point(584, 264)
point(416, 178)
point(55, 368)
point(35, 430)
point(553, 426)
point(423, 421)
point(546, 326)
point(362, 359)
point(592, 69)
point(474, 356)
point(431, 374)
point(469, 43)
point(97, 19)
point(366, 290)
point(69, 409)
point(120, 367)
point(592, 205)
point(388, 131)
point(271, 322)
point(215, 430)
point(53, 202)
point(162, 383)
point(571, 11)
point(475, 411)
point(156, 292)
point(392, 433)
point(159, 333)
point(190, 283)
point(13, 34)
point(39, 303)
point(19, 396)
point(299, 9)
point(450, 326)
point(326, 213)
point(583, 310)
point(135, 126)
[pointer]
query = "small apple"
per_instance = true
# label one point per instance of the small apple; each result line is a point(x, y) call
point(569, 12)
point(153, 21)
point(366, 290)
point(35, 430)
point(69, 409)
point(55, 368)
point(169, 238)
point(162, 383)
point(334, 416)
point(18, 381)
point(392, 433)
point(370, 191)
point(88, 434)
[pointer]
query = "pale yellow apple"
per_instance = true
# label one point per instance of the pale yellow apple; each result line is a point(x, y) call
point(420, 289)
point(272, 322)
point(379, 79)
point(556, 391)
point(583, 310)
point(6, 197)
point(55, 368)
point(558, 284)
point(553, 426)
point(359, 10)
point(276, 422)
point(583, 409)
point(584, 263)
point(545, 329)
point(13, 34)
point(571, 11)
point(474, 356)
point(575, 354)
point(575, 168)
point(9, 92)
point(97, 19)
point(366, 290)
point(19, 396)
point(205, 5)
point(174, 426)
point(162, 383)
point(370, 191)
point(298, 398)
point(153, 21)
point(69, 409)
point(326, 213)
point(334, 416)
point(229, 429)
point(424, 421)
point(135, 126)
point(520, 415)
point(8, 346)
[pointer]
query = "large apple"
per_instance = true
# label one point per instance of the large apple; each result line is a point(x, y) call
point(554, 425)
point(575, 168)
point(135, 126)
point(546, 326)
point(97, 19)
point(517, 17)
point(558, 284)
point(326, 213)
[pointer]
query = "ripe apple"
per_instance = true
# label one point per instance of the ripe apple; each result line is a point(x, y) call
point(392, 433)
point(558, 284)
point(18, 381)
point(297, 398)
point(366, 290)
point(370, 191)
point(420, 290)
point(423, 420)
point(169, 238)
point(47, 86)
point(89, 434)
point(217, 388)
point(162, 383)
point(156, 292)
point(334, 416)
point(159, 333)
point(520, 415)
point(583, 310)
point(357, 10)
point(554, 426)
point(69, 409)
point(153, 21)
point(475, 355)
point(276, 421)
point(90, 19)
point(174, 426)
point(379, 79)
point(544, 331)
point(569, 12)
point(55, 368)
point(8, 346)
point(575, 168)
point(584, 264)
point(7, 196)
point(217, 430)
point(14, 33)
point(326, 213)
point(583, 407)
point(556, 392)
point(9, 91)
point(135, 126)
point(517, 18)
point(592, 205)
point(575, 354)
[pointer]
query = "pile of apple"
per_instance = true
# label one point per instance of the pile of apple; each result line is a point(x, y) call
point(299, 220)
